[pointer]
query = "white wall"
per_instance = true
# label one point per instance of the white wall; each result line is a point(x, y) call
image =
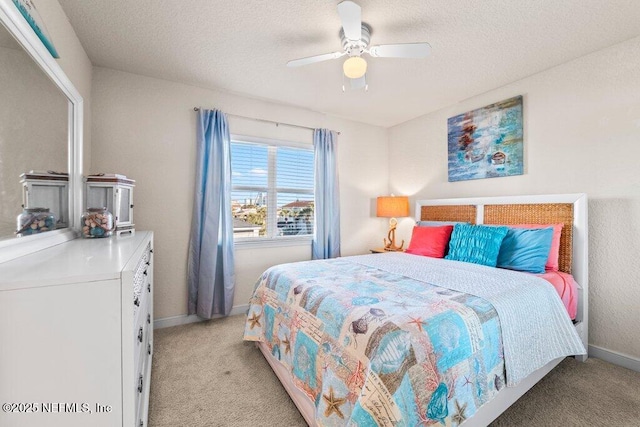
point(145, 128)
point(582, 134)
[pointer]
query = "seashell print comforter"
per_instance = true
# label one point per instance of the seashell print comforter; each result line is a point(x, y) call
point(372, 340)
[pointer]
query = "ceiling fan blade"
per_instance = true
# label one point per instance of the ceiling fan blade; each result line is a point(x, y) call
point(351, 17)
point(314, 59)
point(404, 50)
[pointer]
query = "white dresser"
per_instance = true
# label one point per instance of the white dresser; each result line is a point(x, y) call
point(76, 334)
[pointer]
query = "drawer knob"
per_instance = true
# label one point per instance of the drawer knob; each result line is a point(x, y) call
point(149, 349)
point(145, 272)
point(150, 250)
point(148, 262)
point(136, 302)
point(140, 334)
point(149, 318)
point(140, 384)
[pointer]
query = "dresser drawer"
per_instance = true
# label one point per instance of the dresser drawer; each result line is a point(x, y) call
point(141, 301)
point(148, 344)
point(141, 280)
point(140, 390)
point(143, 373)
point(140, 333)
point(142, 377)
point(142, 401)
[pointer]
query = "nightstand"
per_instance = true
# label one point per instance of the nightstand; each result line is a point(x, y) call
point(381, 251)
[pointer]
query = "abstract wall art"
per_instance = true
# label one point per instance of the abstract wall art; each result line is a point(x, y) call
point(487, 142)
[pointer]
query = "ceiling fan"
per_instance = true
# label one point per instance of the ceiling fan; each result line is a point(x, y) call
point(355, 36)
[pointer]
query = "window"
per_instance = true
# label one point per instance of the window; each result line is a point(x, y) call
point(271, 189)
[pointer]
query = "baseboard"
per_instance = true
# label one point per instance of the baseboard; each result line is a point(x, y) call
point(239, 309)
point(184, 319)
point(614, 357)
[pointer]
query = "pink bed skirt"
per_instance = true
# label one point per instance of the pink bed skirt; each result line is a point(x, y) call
point(567, 289)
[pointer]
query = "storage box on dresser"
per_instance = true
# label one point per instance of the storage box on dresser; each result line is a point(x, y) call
point(114, 192)
point(76, 327)
point(47, 190)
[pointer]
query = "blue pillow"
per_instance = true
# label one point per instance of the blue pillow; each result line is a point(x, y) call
point(526, 249)
point(478, 244)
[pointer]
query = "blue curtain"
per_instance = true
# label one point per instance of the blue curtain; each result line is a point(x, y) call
point(326, 242)
point(211, 269)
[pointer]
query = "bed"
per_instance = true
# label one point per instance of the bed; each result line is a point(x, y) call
point(400, 339)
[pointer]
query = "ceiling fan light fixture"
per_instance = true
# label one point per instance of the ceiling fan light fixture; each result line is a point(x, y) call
point(354, 67)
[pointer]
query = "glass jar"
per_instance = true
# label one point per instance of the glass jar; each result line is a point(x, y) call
point(34, 221)
point(97, 222)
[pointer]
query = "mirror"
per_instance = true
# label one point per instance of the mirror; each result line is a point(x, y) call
point(41, 129)
point(34, 136)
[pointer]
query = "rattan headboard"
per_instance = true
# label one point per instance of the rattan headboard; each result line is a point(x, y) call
point(457, 213)
point(515, 213)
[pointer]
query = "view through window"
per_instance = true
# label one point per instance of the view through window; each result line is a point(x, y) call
point(272, 190)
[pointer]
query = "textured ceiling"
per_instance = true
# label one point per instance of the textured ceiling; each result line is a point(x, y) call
point(243, 46)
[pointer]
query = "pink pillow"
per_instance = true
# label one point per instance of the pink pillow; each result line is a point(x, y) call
point(554, 253)
point(430, 241)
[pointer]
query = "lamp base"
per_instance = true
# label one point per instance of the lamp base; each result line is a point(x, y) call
point(391, 244)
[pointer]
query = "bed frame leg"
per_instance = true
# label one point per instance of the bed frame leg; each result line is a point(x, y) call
point(581, 358)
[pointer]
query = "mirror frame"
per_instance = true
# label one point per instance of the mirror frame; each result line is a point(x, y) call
point(18, 27)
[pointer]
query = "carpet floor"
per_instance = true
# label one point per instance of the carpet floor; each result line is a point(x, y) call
point(205, 375)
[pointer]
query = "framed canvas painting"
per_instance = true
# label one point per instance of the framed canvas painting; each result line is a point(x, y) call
point(487, 142)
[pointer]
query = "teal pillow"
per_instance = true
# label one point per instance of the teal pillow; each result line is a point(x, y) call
point(477, 244)
point(526, 249)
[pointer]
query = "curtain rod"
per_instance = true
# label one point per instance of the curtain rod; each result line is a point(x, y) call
point(266, 121)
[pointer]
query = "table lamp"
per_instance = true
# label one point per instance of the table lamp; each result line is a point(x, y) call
point(392, 207)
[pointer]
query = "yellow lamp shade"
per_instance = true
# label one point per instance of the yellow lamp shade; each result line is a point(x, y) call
point(354, 67)
point(392, 206)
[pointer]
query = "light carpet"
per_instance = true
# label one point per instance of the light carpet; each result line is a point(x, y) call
point(205, 375)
